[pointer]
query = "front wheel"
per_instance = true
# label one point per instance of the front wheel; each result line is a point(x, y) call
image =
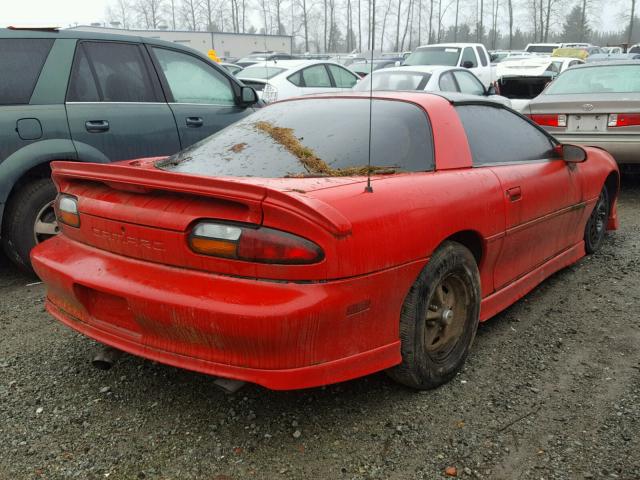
point(439, 319)
point(596, 227)
point(29, 220)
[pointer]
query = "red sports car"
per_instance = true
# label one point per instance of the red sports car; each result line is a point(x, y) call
point(261, 254)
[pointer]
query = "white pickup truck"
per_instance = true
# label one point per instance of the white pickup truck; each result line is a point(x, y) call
point(473, 56)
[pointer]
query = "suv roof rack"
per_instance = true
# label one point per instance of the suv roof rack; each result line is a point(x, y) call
point(34, 27)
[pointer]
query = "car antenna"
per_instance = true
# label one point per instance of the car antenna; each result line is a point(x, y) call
point(369, 188)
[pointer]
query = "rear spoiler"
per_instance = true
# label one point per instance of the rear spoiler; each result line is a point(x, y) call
point(122, 176)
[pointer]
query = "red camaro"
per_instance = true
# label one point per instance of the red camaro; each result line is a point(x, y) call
point(260, 254)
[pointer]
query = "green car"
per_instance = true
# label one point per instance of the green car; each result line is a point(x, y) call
point(72, 95)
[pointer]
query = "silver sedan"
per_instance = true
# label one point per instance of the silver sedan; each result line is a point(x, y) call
point(597, 105)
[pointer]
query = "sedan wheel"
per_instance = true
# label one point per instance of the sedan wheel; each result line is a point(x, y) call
point(46, 225)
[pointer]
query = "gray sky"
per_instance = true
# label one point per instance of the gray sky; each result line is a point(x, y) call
point(62, 13)
point(59, 13)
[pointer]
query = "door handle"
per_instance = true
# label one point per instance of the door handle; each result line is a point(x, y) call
point(194, 122)
point(94, 126)
point(514, 194)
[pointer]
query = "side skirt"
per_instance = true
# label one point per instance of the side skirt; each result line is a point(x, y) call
point(498, 301)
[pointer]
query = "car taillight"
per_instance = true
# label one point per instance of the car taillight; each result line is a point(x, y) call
point(549, 120)
point(263, 245)
point(623, 119)
point(67, 210)
point(269, 93)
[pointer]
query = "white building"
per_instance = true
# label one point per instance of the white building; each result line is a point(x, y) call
point(225, 44)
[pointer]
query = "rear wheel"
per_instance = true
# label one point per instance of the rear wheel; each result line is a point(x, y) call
point(596, 227)
point(29, 220)
point(439, 319)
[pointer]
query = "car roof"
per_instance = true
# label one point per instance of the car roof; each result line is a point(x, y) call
point(606, 64)
point(289, 64)
point(419, 68)
point(85, 35)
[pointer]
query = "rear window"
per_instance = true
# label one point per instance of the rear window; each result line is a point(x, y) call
point(261, 72)
point(394, 80)
point(286, 140)
point(597, 79)
point(21, 60)
point(434, 56)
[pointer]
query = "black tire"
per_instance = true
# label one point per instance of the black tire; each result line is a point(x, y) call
point(431, 354)
point(26, 205)
point(596, 228)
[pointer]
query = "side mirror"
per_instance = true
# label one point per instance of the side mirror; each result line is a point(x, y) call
point(398, 63)
point(573, 153)
point(248, 96)
point(467, 64)
point(491, 90)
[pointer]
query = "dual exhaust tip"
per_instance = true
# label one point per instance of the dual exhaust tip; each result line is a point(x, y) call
point(106, 357)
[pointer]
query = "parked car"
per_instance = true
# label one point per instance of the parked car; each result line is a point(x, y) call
point(232, 68)
point(498, 56)
point(291, 78)
point(260, 57)
point(634, 48)
point(610, 57)
point(522, 80)
point(473, 56)
point(96, 97)
point(362, 69)
point(271, 255)
point(542, 48)
point(596, 104)
point(612, 50)
point(430, 79)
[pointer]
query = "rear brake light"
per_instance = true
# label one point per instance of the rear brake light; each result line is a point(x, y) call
point(623, 119)
point(269, 93)
point(67, 210)
point(263, 245)
point(550, 120)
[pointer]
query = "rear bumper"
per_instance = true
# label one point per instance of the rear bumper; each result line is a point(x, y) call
point(624, 148)
point(279, 335)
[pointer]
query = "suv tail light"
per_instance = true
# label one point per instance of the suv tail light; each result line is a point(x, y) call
point(549, 120)
point(67, 210)
point(623, 119)
point(263, 245)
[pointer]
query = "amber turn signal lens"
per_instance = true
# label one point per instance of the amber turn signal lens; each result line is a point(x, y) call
point(215, 247)
point(67, 210)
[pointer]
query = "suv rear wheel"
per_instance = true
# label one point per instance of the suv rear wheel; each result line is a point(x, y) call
point(29, 220)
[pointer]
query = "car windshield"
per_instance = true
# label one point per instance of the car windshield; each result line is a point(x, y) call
point(394, 80)
point(285, 140)
point(261, 72)
point(434, 56)
point(541, 48)
point(597, 79)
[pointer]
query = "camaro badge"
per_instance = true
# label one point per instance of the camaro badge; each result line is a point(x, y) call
point(587, 107)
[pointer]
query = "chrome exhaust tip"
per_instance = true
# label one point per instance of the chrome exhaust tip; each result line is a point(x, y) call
point(106, 357)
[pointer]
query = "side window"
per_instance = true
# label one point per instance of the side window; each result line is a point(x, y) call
point(193, 81)
point(116, 70)
point(316, 76)
point(342, 77)
point(21, 60)
point(82, 86)
point(447, 83)
point(482, 56)
point(468, 83)
point(488, 126)
point(469, 56)
point(296, 79)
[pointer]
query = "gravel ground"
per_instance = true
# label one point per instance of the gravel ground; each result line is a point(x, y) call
point(551, 391)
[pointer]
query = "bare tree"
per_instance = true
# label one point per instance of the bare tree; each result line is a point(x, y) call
point(170, 10)
point(396, 45)
point(510, 8)
point(150, 12)
point(633, 13)
point(455, 26)
point(384, 25)
point(120, 13)
point(189, 14)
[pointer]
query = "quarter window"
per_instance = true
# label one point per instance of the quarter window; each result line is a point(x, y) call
point(342, 77)
point(482, 56)
point(21, 60)
point(110, 72)
point(193, 81)
point(468, 83)
point(498, 136)
point(447, 83)
point(316, 77)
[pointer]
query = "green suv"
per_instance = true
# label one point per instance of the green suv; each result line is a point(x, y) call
point(71, 95)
